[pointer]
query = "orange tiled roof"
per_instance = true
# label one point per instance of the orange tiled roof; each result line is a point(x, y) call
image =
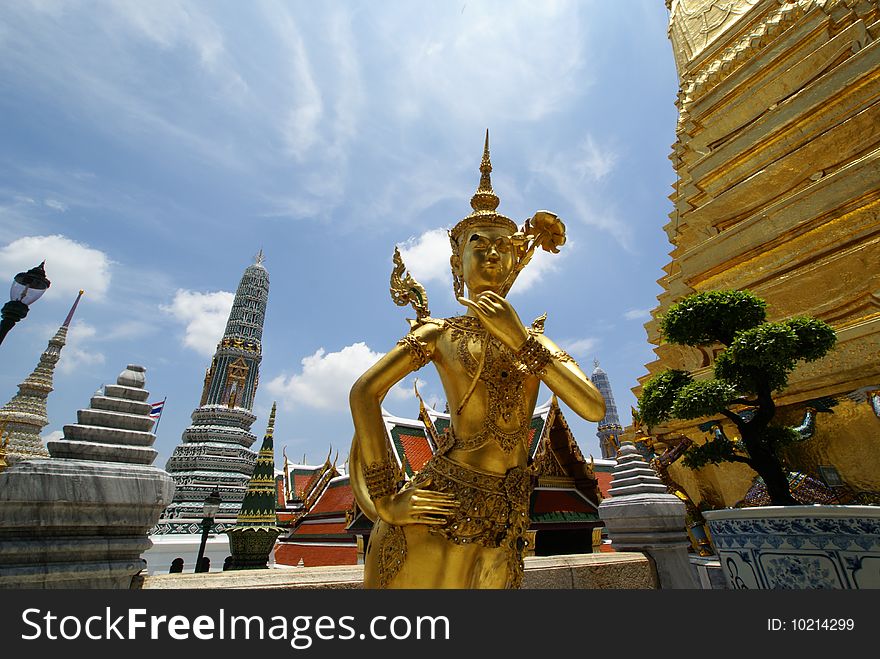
point(417, 450)
point(301, 482)
point(337, 498)
point(289, 553)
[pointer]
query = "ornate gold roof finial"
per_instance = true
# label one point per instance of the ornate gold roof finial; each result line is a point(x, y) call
point(270, 430)
point(484, 198)
point(286, 473)
point(67, 320)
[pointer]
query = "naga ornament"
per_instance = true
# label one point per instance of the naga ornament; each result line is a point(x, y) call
point(406, 290)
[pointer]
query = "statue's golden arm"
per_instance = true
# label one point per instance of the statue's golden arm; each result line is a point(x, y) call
point(565, 378)
point(370, 446)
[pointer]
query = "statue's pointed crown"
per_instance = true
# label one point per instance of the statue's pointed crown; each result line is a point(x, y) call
point(484, 202)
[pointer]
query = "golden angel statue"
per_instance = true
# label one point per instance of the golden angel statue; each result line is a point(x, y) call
point(461, 522)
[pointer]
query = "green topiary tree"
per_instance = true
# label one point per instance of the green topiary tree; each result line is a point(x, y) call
point(757, 360)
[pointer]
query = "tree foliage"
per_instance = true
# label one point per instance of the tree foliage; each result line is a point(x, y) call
point(712, 317)
point(757, 359)
point(658, 395)
point(717, 450)
point(702, 398)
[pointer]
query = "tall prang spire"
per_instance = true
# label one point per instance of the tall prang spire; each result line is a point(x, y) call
point(609, 429)
point(215, 451)
point(25, 415)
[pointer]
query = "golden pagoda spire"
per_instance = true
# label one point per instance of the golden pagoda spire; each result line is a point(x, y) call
point(26, 414)
point(286, 474)
point(253, 536)
point(484, 198)
point(270, 429)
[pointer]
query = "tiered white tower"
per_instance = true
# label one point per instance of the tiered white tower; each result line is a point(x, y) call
point(215, 452)
point(609, 429)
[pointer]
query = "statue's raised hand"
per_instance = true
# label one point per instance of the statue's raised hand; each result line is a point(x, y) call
point(499, 318)
point(417, 505)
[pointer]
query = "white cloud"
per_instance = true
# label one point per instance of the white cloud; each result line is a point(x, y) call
point(580, 347)
point(487, 61)
point(593, 162)
point(54, 435)
point(54, 204)
point(542, 263)
point(90, 74)
point(205, 316)
point(418, 185)
point(300, 128)
point(70, 265)
point(637, 314)
point(172, 23)
point(575, 175)
point(427, 256)
point(77, 352)
point(326, 378)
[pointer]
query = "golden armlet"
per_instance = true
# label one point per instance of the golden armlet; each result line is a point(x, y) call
point(418, 351)
point(562, 356)
point(533, 357)
point(381, 479)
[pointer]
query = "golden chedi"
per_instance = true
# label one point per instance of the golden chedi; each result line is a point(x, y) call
point(461, 522)
point(777, 157)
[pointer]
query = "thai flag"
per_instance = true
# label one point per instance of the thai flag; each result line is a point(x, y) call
point(156, 409)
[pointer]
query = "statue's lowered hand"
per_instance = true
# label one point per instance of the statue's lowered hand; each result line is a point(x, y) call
point(417, 505)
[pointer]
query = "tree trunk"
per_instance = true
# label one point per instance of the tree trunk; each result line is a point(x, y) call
point(768, 466)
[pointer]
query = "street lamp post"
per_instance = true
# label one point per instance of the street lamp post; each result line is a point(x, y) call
point(27, 287)
point(209, 510)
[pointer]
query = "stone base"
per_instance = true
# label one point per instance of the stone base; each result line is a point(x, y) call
point(77, 524)
point(620, 570)
point(708, 569)
point(251, 546)
point(653, 523)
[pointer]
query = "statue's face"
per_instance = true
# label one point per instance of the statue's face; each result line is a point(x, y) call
point(487, 258)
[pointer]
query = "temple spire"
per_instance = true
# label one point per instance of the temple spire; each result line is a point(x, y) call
point(215, 451)
point(255, 530)
point(25, 415)
point(609, 429)
point(484, 198)
point(67, 320)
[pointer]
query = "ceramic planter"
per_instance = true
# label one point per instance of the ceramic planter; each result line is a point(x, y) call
point(798, 547)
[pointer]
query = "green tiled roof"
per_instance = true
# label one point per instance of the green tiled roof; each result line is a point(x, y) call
point(538, 424)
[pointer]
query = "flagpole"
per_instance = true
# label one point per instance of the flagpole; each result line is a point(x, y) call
point(156, 427)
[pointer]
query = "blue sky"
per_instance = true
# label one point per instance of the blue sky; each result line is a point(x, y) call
point(151, 149)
